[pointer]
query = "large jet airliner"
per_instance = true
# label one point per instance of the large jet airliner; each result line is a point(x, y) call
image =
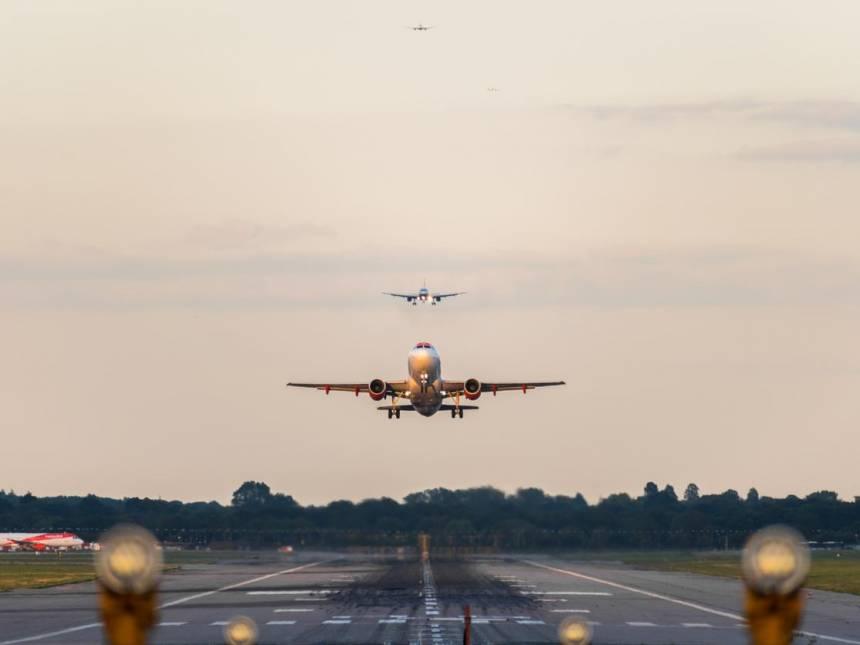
point(40, 541)
point(424, 296)
point(425, 389)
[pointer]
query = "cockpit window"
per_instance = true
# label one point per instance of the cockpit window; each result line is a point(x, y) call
point(423, 346)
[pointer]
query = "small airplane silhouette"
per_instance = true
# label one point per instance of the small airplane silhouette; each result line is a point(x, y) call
point(493, 89)
point(421, 27)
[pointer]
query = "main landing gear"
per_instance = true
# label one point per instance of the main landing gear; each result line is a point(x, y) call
point(456, 412)
point(393, 413)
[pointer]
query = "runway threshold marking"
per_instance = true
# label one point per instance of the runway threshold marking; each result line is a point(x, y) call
point(173, 603)
point(677, 601)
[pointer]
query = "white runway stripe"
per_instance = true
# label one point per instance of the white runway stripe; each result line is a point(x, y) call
point(281, 622)
point(336, 622)
point(696, 625)
point(172, 624)
point(61, 632)
point(636, 623)
point(570, 611)
point(300, 610)
point(288, 592)
point(566, 593)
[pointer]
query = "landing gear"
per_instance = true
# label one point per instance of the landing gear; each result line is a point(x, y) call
point(393, 413)
point(456, 412)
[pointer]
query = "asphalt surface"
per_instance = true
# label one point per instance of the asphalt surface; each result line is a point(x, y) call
point(333, 598)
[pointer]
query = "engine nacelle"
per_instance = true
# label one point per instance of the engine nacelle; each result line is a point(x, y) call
point(377, 389)
point(472, 389)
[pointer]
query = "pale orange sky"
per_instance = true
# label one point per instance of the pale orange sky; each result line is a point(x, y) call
point(203, 201)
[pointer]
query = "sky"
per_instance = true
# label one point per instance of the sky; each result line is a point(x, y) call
point(202, 201)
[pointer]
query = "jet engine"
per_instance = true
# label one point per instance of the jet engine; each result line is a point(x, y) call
point(472, 389)
point(377, 389)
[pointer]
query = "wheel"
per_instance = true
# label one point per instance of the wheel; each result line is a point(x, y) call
point(397, 413)
point(461, 413)
point(453, 414)
point(389, 414)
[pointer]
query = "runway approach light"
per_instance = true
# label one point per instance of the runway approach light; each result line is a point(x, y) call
point(774, 566)
point(129, 560)
point(574, 632)
point(240, 631)
point(775, 561)
point(128, 567)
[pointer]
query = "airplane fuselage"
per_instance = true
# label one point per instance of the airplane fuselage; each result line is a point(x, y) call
point(39, 541)
point(425, 379)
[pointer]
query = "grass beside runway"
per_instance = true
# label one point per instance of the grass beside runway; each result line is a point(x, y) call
point(831, 570)
point(26, 570)
point(33, 571)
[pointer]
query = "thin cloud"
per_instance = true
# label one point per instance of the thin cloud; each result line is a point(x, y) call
point(612, 278)
point(836, 114)
point(846, 152)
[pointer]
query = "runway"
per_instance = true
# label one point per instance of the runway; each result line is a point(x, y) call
point(338, 598)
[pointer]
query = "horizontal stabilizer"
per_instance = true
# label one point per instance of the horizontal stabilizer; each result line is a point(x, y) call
point(446, 406)
point(405, 408)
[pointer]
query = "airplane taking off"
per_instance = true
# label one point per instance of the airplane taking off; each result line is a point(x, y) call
point(40, 541)
point(425, 389)
point(423, 296)
point(421, 27)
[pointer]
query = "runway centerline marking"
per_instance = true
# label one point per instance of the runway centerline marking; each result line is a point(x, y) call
point(173, 603)
point(677, 601)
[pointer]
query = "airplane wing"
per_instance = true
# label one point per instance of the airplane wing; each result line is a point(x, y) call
point(409, 296)
point(394, 387)
point(438, 296)
point(453, 388)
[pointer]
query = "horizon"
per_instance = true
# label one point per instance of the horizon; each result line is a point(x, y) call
point(679, 491)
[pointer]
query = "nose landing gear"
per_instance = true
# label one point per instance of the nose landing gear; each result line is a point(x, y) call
point(457, 412)
point(393, 413)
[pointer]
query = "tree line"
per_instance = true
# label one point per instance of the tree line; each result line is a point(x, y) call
point(482, 517)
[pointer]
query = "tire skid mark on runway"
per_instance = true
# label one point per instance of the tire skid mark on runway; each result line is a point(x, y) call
point(678, 601)
point(173, 603)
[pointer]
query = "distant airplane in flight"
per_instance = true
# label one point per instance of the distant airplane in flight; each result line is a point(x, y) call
point(40, 541)
point(421, 27)
point(425, 389)
point(424, 296)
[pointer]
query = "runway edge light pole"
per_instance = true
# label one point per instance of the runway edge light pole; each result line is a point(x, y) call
point(774, 566)
point(128, 567)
